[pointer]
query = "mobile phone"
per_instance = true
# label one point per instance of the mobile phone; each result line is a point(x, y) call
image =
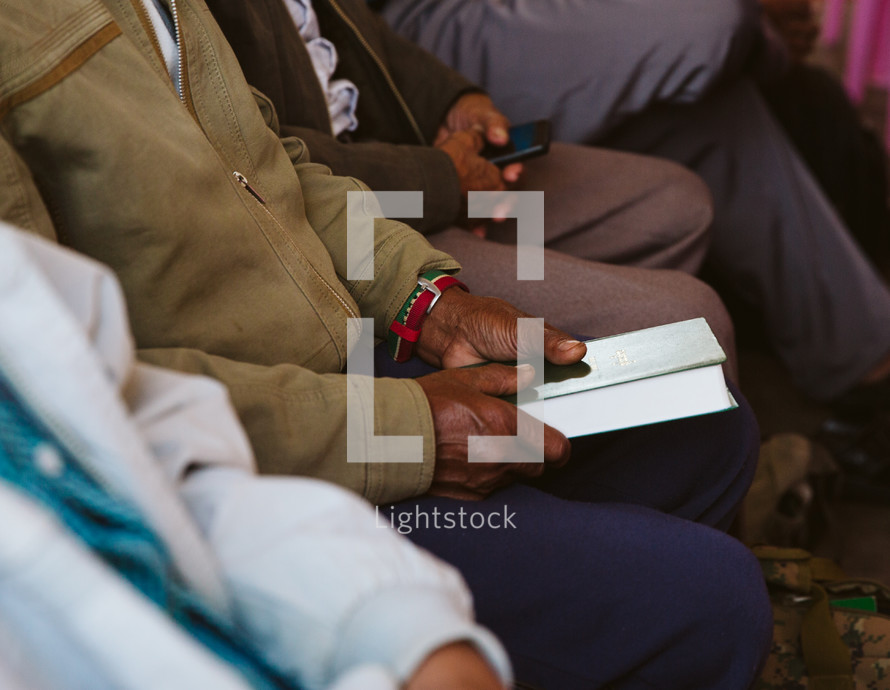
point(526, 141)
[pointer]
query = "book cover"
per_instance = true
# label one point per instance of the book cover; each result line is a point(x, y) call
point(631, 379)
point(631, 356)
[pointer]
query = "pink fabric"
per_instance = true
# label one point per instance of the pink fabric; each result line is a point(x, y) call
point(868, 46)
point(880, 67)
point(833, 21)
point(862, 46)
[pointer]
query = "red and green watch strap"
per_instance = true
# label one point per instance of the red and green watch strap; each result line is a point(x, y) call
point(405, 329)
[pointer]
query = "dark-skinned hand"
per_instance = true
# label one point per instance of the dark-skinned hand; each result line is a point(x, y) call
point(475, 112)
point(475, 173)
point(465, 329)
point(454, 667)
point(462, 404)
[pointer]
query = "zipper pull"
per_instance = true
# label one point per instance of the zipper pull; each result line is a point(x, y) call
point(244, 183)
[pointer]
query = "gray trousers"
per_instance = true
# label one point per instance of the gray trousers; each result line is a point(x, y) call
point(584, 64)
point(618, 73)
point(619, 249)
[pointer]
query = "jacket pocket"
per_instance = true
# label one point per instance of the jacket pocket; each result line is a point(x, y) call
point(45, 41)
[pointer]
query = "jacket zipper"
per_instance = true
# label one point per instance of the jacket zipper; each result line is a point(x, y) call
point(184, 92)
point(244, 182)
point(385, 72)
point(178, 38)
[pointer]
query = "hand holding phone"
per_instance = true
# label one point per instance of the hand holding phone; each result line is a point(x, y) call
point(474, 173)
point(526, 141)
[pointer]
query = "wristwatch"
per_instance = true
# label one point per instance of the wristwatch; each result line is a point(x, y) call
point(405, 328)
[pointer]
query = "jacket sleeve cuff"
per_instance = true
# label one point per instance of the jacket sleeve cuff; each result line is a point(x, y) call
point(400, 409)
point(400, 627)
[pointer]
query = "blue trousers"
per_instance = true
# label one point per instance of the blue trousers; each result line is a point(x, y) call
point(615, 570)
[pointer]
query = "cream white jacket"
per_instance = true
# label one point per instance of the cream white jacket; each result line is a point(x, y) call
point(300, 564)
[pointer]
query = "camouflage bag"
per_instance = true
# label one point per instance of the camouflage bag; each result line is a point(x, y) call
point(822, 640)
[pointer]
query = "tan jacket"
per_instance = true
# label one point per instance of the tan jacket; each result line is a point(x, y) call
point(100, 152)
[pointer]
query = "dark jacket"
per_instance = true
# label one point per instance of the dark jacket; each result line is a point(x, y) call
point(404, 94)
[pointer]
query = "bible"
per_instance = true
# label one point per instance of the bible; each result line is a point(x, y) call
point(642, 377)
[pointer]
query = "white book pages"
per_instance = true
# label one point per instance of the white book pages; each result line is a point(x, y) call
point(676, 395)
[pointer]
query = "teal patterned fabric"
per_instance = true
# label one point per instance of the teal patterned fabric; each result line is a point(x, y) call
point(35, 462)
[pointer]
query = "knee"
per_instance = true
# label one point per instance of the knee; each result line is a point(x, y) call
point(732, 622)
point(709, 305)
point(700, 299)
point(691, 197)
point(687, 210)
point(713, 628)
point(691, 298)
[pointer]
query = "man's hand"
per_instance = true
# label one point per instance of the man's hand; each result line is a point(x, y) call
point(466, 329)
point(454, 667)
point(474, 172)
point(475, 112)
point(462, 405)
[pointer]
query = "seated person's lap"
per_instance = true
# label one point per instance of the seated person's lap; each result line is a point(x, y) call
point(613, 538)
point(697, 468)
